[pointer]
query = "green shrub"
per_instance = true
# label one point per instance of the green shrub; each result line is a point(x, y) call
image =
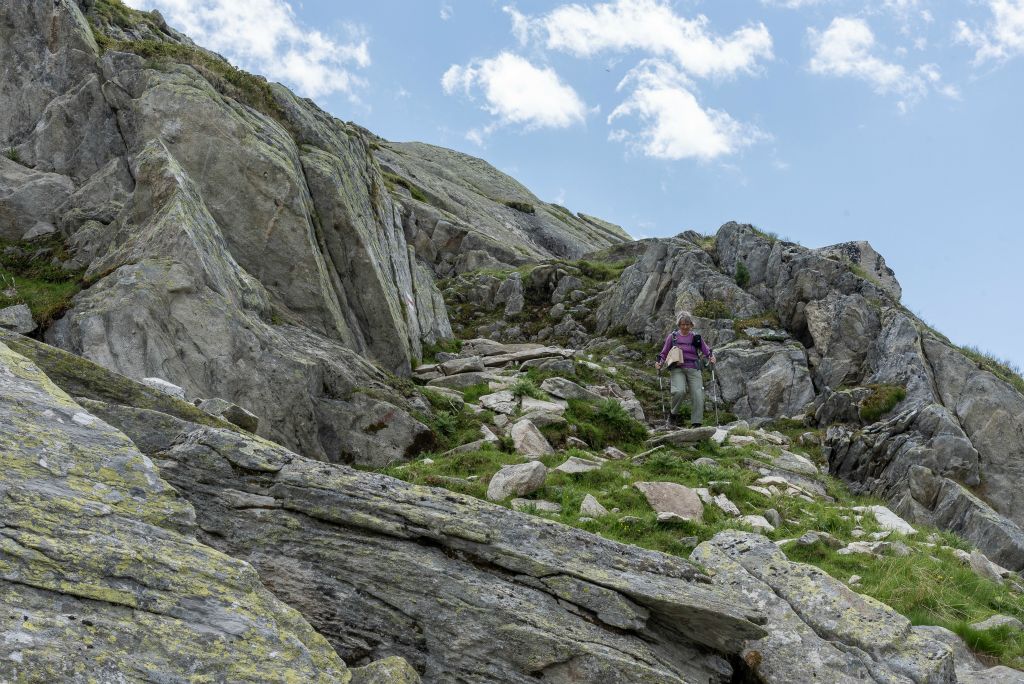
point(712, 308)
point(13, 155)
point(45, 287)
point(742, 274)
point(525, 387)
point(524, 207)
point(474, 392)
point(881, 400)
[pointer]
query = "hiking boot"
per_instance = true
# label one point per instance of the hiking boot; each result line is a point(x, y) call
point(695, 425)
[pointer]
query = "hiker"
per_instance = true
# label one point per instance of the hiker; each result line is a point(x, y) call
point(680, 356)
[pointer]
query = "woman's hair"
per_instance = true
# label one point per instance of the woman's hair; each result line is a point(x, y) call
point(684, 316)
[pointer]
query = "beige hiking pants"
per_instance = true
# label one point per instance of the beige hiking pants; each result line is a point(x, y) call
point(683, 380)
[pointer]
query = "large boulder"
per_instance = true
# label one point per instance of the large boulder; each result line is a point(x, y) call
point(102, 569)
point(819, 629)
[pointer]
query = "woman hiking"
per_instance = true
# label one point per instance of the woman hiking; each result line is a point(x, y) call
point(681, 353)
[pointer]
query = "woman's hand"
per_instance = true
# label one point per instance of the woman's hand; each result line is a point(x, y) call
point(712, 360)
point(657, 364)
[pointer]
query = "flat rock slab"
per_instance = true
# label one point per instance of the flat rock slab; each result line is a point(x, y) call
point(464, 380)
point(758, 522)
point(575, 465)
point(469, 364)
point(673, 498)
point(682, 437)
point(517, 480)
point(528, 440)
point(567, 389)
point(887, 519)
point(500, 402)
point(528, 355)
point(530, 405)
point(167, 388)
point(796, 463)
point(17, 318)
point(233, 413)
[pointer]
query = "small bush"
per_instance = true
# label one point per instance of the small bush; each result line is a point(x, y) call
point(882, 400)
point(525, 387)
point(712, 308)
point(742, 274)
point(13, 155)
point(605, 423)
point(38, 282)
point(524, 207)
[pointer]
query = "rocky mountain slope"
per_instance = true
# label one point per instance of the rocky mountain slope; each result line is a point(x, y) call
point(232, 296)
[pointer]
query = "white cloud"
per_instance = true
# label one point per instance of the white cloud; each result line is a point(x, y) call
point(517, 92)
point(845, 49)
point(1003, 36)
point(673, 123)
point(651, 26)
point(263, 36)
point(446, 11)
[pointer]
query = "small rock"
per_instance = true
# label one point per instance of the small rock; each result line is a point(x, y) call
point(757, 522)
point(585, 519)
point(795, 463)
point(810, 439)
point(689, 541)
point(705, 462)
point(682, 437)
point(720, 436)
point(741, 440)
point(575, 443)
point(772, 516)
point(592, 507)
point(887, 519)
point(812, 538)
point(983, 567)
point(17, 318)
point(536, 504)
point(40, 229)
point(528, 440)
point(233, 413)
point(576, 465)
point(854, 580)
point(500, 402)
point(614, 454)
point(857, 533)
point(427, 461)
point(470, 364)
point(567, 389)
point(518, 480)
point(165, 387)
point(879, 536)
point(726, 506)
point(629, 520)
point(673, 498)
point(997, 621)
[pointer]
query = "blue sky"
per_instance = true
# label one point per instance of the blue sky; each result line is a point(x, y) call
point(893, 121)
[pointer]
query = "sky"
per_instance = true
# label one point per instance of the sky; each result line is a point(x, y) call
point(893, 121)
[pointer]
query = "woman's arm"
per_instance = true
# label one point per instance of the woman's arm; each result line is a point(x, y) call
point(665, 348)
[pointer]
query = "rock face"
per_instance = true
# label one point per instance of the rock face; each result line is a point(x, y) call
point(101, 575)
point(466, 214)
point(380, 568)
point(266, 287)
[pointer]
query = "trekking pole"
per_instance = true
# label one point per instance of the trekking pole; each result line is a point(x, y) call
point(714, 394)
point(661, 393)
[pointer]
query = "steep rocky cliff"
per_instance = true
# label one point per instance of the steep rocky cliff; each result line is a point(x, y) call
point(166, 217)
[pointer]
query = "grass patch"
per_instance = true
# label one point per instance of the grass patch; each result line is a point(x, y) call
point(602, 271)
point(742, 274)
point(883, 398)
point(605, 424)
point(769, 319)
point(416, 191)
point(474, 392)
point(712, 308)
point(13, 155)
point(524, 207)
point(45, 287)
